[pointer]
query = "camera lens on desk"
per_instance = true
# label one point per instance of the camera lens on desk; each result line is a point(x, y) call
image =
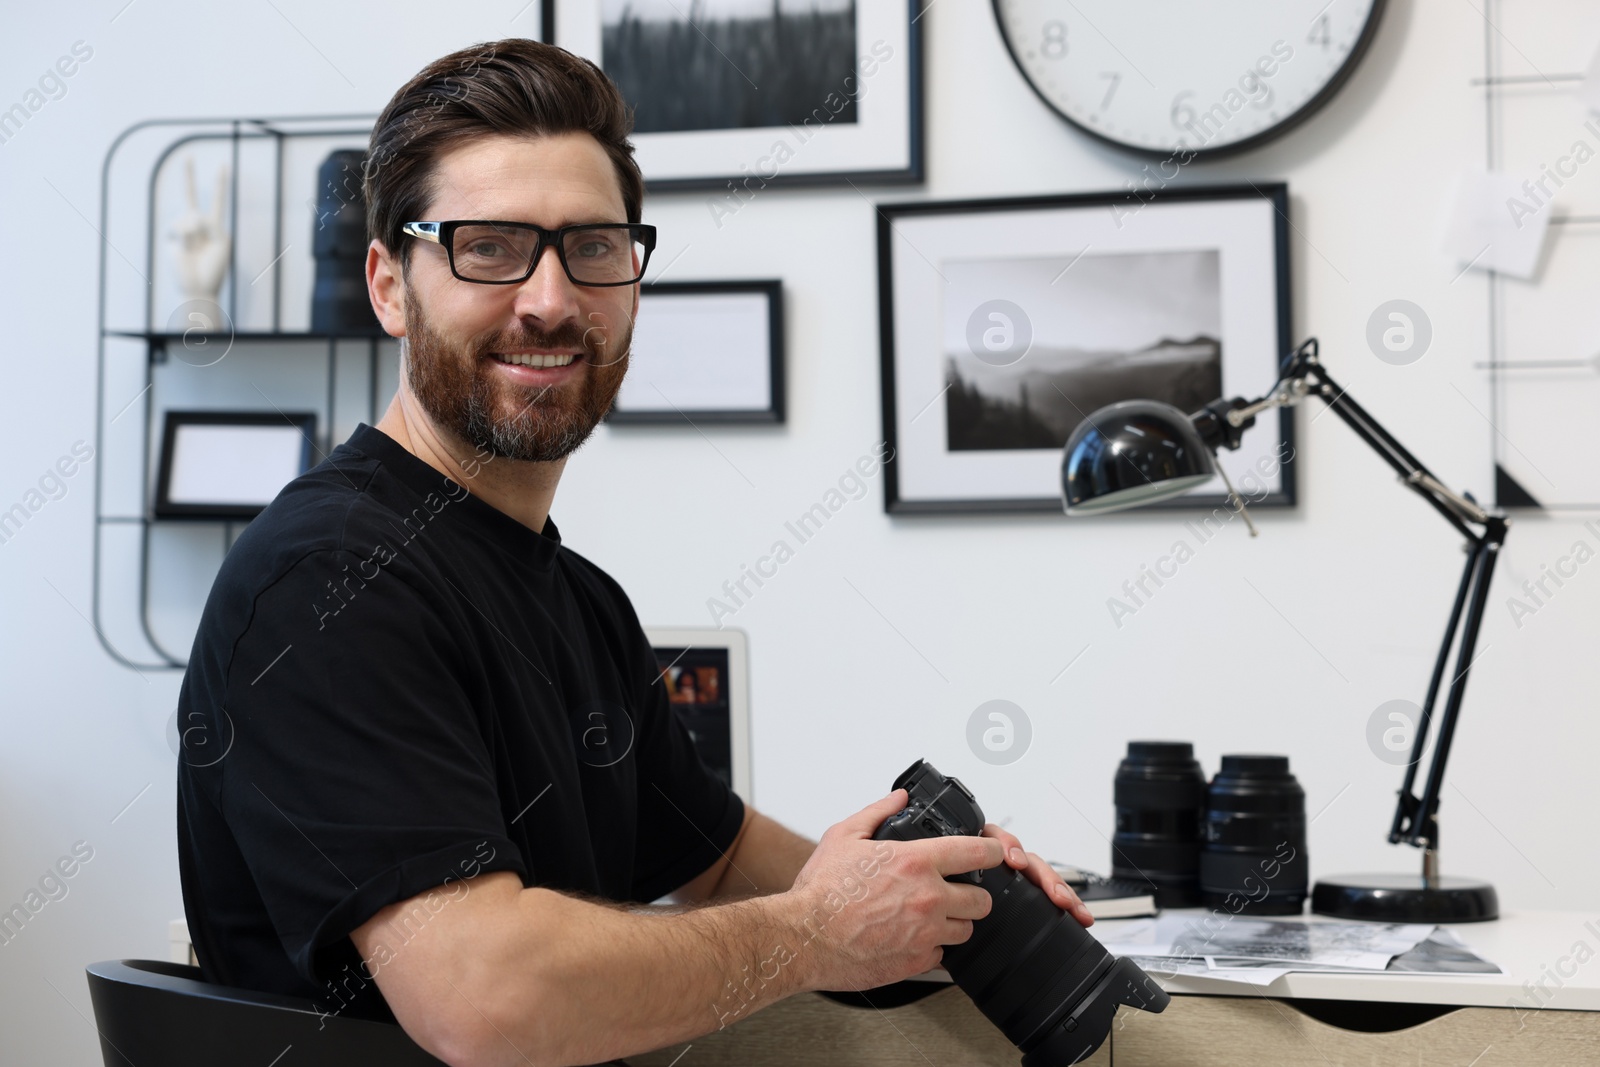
point(1160, 794)
point(1253, 860)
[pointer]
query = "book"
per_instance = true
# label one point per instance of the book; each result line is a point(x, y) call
point(1108, 898)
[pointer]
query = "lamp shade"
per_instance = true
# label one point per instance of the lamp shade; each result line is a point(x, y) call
point(1132, 453)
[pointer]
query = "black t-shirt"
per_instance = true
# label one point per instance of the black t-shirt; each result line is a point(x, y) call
point(396, 687)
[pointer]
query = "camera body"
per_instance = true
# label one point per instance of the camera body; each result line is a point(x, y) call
point(938, 807)
point(1052, 989)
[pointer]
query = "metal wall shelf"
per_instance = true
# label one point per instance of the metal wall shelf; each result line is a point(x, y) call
point(1516, 365)
point(116, 599)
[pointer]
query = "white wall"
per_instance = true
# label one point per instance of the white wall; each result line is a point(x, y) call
point(981, 608)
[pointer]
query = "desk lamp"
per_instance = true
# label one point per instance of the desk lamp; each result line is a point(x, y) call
point(1141, 451)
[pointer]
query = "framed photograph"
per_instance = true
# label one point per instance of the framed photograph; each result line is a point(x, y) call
point(704, 672)
point(229, 464)
point(1005, 323)
point(705, 352)
point(737, 95)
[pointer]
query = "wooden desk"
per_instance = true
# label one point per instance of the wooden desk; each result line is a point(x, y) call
point(810, 1030)
point(1544, 1011)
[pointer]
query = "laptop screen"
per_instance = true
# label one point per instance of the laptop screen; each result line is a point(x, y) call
point(704, 676)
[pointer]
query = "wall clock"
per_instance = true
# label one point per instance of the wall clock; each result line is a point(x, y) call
point(1198, 76)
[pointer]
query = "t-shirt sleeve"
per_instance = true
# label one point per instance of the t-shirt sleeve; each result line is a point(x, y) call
point(359, 775)
point(688, 817)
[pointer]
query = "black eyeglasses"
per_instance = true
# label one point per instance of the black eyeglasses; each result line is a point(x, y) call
point(506, 253)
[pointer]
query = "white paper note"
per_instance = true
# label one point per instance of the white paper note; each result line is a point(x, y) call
point(1495, 221)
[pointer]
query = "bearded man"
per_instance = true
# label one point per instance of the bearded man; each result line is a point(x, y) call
point(429, 773)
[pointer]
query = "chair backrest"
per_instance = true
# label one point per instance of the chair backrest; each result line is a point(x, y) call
point(156, 1014)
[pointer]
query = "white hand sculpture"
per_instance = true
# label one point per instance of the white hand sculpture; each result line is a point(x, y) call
point(203, 242)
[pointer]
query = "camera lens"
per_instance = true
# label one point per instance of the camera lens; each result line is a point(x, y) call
point(1032, 970)
point(1160, 793)
point(1253, 860)
point(1040, 977)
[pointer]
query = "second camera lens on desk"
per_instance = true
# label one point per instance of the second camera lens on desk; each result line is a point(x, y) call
point(1160, 792)
point(1253, 852)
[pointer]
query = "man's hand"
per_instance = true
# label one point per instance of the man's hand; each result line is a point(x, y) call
point(1040, 874)
point(874, 912)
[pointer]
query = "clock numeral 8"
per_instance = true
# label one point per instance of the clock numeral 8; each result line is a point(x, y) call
point(1053, 45)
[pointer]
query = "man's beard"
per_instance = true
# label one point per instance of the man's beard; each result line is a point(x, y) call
point(465, 396)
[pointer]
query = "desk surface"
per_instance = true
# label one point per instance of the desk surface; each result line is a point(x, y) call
point(1239, 1023)
point(1551, 960)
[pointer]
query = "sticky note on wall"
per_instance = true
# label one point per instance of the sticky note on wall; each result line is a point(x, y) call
point(1495, 221)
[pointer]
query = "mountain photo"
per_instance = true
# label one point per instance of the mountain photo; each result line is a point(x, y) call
point(1104, 328)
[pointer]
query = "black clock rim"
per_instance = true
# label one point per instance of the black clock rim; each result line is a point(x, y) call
point(1300, 114)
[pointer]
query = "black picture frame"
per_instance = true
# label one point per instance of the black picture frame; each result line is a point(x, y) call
point(1035, 221)
point(740, 162)
point(165, 507)
point(680, 404)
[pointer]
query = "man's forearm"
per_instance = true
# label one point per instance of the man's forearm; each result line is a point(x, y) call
point(575, 982)
point(765, 859)
point(507, 974)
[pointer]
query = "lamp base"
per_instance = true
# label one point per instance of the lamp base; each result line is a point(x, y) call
point(1405, 898)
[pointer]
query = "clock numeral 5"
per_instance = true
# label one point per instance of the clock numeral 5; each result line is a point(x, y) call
point(1053, 43)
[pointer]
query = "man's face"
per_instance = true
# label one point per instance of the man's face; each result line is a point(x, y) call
point(459, 334)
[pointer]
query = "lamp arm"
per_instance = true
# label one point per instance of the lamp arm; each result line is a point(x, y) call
point(1303, 373)
point(1223, 422)
point(1459, 510)
point(1288, 391)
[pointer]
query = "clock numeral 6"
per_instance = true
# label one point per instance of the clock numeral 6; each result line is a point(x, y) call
point(1053, 43)
point(1182, 113)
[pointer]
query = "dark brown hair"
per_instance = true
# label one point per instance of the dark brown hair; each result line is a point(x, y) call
point(515, 87)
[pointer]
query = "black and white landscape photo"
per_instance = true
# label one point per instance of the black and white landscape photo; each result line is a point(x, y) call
point(1104, 328)
point(731, 64)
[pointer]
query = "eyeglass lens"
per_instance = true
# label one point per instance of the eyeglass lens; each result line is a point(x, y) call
point(604, 255)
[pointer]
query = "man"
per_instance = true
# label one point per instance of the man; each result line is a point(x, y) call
point(428, 766)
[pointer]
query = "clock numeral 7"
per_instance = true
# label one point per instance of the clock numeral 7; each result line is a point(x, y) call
point(1111, 90)
point(1053, 43)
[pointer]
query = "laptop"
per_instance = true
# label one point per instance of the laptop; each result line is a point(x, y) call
point(705, 673)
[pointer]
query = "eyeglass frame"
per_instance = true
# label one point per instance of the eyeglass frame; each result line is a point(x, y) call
point(443, 234)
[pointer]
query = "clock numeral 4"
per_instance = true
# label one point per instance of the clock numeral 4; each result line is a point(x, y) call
point(1320, 33)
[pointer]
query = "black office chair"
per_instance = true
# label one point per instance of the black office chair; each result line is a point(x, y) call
point(156, 1014)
